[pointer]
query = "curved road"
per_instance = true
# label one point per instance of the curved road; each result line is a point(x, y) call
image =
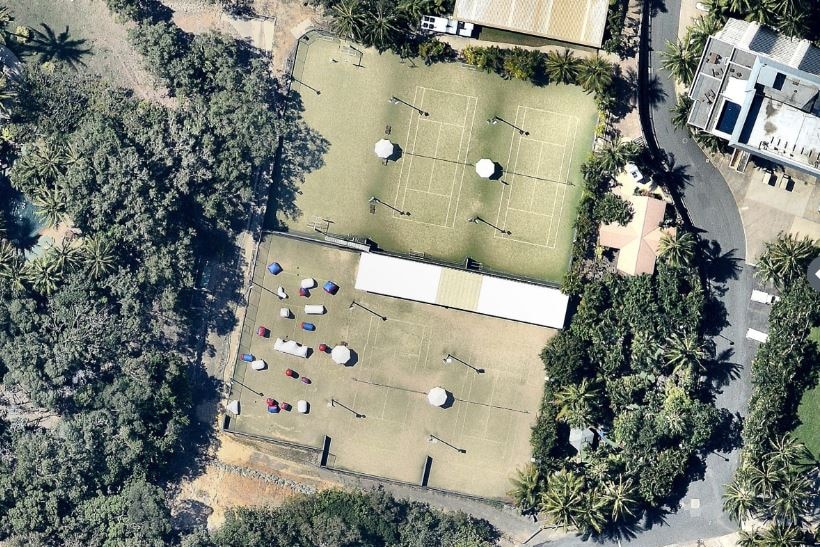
point(713, 213)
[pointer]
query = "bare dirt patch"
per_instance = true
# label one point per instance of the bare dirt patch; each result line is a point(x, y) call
point(87, 25)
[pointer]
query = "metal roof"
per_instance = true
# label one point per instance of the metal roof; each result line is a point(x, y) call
point(575, 21)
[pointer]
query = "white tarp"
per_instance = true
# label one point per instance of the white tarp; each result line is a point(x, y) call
point(498, 297)
point(396, 277)
point(522, 302)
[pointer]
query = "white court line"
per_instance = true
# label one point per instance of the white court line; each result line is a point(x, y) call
point(407, 140)
point(410, 167)
point(509, 160)
point(529, 212)
point(564, 195)
point(538, 171)
point(512, 186)
point(435, 155)
point(455, 172)
point(429, 193)
point(463, 168)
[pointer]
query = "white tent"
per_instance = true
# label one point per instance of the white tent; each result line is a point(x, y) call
point(437, 396)
point(384, 149)
point(233, 407)
point(340, 354)
point(485, 168)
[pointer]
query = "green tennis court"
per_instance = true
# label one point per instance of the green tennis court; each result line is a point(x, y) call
point(430, 200)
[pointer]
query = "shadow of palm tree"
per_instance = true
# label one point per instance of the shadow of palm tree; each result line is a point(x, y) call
point(718, 266)
point(53, 47)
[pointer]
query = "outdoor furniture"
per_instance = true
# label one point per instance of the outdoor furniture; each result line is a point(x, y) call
point(340, 354)
point(274, 268)
point(323, 347)
point(312, 309)
point(437, 396)
point(247, 357)
point(284, 313)
point(270, 402)
point(307, 283)
point(280, 292)
point(289, 373)
point(302, 406)
point(330, 287)
point(258, 364)
point(384, 149)
point(291, 348)
point(305, 380)
point(304, 292)
point(285, 406)
point(273, 409)
point(485, 168)
point(263, 331)
point(308, 326)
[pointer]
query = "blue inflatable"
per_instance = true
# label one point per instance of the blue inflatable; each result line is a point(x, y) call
point(309, 326)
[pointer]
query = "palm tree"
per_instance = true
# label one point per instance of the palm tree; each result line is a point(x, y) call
point(44, 160)
point(620, 497)
point(562, 67)
point(618, 153)
point(595, 74)
point(50, 205)
point(700, 31)
point(563, 498)
point(790, 502)
point(677, 249)
point(684, 353)
point(8, 254)
point(99, 256)
point(793, 22)
point(59, 47)
point(761, 11)
point(348, 19)
point(592, 517)
point(680, 112)
point(785, 259)
point(680, 60)
point(66, 257)
point(15, 274)
point(763, 479)
point(788, 454)
point(381, 25)
point(578, 403)
point(43, 276)
point(526, 486)
point(779, 535)
point(740, 499)
point(7, 93)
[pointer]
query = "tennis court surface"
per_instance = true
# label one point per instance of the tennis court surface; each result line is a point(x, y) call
point(429, 200)
point(482, 433)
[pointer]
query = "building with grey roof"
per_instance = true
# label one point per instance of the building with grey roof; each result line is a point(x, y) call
point(760, 91)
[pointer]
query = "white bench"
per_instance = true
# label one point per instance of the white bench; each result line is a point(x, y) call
point(314, 309)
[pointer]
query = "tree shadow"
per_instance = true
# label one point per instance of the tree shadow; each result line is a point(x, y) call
point(715, 316)
point(718, 266)
point(301, 152)
point(728, 433)
point(721, 371)
point(52, 47)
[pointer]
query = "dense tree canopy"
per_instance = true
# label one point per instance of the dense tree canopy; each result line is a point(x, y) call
point(92, 332)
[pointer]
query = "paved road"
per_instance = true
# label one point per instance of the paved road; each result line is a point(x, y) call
point(713, 211)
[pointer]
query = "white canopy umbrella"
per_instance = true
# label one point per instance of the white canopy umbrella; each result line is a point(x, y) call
point(340, 354)
point(485, 168)
point(437, 396)
point(384, 149)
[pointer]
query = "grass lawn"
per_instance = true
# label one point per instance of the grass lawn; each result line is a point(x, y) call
point(809, 412)
point(394, 364)
point(433, 179)
point(84, 34)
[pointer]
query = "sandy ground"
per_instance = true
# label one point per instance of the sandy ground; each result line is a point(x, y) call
point(243, 474)
point(277, 27)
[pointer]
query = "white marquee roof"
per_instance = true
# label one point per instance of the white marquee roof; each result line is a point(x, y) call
point(467, 291)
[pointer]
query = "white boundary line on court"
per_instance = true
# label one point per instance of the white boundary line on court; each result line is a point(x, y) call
point(447, 224)
point(563, 175)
